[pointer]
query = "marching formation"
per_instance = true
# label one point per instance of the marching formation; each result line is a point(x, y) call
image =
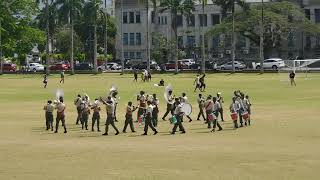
point(147, 111)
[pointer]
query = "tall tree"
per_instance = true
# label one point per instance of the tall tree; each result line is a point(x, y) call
point(68, 11)
point(93, 11)
point(177, 7)
point(203, 64)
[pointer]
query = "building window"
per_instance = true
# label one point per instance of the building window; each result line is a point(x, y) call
point(191, 20)
point(159, 20)
point(191, 41)
point(165, 20)
point(179, 21)
point(317, 15)
point(162, 21)
point(138, 55)
point(153, 15)
point(125, 38)
point(132, 55)
point(131, 39)
point(131, 17)
point(215, 19)
point(138, 19)
point(138, 38)
point(125, 17)
point(203, 19)
point(205, 41)
point(126, 55)
point(307, 13)
point(308, 42)
point(215, 42)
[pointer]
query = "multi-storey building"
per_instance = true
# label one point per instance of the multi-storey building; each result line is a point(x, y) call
point(131, 41)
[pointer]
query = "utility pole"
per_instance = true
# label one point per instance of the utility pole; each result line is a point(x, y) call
point(233, 54)
point(148, 36)
point(122, 53)
point(48, 54)
point(262, 37)
point(106, 35)
point(203, 62)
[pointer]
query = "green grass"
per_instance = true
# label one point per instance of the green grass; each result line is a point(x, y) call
point(282, 143)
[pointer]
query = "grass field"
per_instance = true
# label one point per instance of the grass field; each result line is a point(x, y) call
point(282, 143)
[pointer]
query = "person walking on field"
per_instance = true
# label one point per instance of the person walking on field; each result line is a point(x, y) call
point(155, 112)
point(148, 121)
point(208, 105)
point(129, 120)
point(77, 103)
point(110, 115)
point(96, 115)
point(49, 108)
point(220, 100)
point(292, 75)
point(216, 108)
point(61, 107)
point(45, 80)
point(179, 115)
point(234, 109)
point(62, 76)
point(200, 101)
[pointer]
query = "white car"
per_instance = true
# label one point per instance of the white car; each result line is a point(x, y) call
point(187, 62)
point(273, 63)
point(237, 65)
point(35, 67)
point(113, 66)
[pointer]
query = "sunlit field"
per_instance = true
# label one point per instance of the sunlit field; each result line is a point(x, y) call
point(283, 141)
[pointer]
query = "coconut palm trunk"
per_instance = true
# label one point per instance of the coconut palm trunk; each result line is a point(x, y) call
point(71, 43)
point(95, 62)
point(203, 64)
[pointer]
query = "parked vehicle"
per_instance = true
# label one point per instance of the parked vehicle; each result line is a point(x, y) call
point(35, 67)
point(171, 65)
point(83, 66)
point(143, 65)
point(113, 66)
point(209, 65)
point(273, 63)
point(58, 67)
point(9, 67)
point(237, 65)
point(187, 62)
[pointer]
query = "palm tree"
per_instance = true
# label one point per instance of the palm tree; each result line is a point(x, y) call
point(203, 64)
point(183, 7)
point(226, 6)
point(93, 12)
point(68, 11)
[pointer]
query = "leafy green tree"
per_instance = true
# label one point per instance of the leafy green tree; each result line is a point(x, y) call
point(280, 19)
point(176, 7)
point(69, 10)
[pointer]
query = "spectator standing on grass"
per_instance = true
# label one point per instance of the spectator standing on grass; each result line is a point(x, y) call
point(292, 75)
point(62, 76)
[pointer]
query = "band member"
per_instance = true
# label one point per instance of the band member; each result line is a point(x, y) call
point(184, 99)
point(142, 104)
point(197, 83)
point(220, 100)
point(60, 115)
point(113, 95)
point(77, 103)
point(45, 80)
point(62, 76)
point(110, 115)
point(129, 119)
point(292, 75)
point(234, 109)
point(96, 115)
point(85, 111)
point(155, 112)
point(243, 108)
point(135, 75)
point(208, 105)
point(178, 114)
point(237, 97)
point(49, 107)
point(202, 83)
point(200, 101)
point(169, 105)
point(148, 121)
point(248, 103)
point(216, 108)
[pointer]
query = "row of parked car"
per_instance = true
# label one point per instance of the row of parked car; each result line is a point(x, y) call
point(185, 64)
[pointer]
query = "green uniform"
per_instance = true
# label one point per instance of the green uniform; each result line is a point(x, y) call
point(49, 116)
point(61, 116)
point(96, 116)
point(129, 119)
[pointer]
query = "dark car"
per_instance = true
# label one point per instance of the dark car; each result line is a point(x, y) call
point(83, 66)
point(172, 65)
point(209, 65)
point(143, 65)
point(9, 67)
point(59, 67)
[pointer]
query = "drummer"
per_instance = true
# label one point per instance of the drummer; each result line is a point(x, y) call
point(184, 100)
point(234, 109)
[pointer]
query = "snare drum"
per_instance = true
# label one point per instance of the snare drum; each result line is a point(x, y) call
point(234, 116)
point(245, 115)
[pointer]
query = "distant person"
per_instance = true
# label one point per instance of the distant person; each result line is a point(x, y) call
point(49, 107)
point(161, 83)
point(292, 75)
point(45, 80)
point(129, 120)
point(135, 75)
point(62, 76)
point(220, 100)
point(149, 76)
point(197, 83)
point(202, 83)
point(200, 101)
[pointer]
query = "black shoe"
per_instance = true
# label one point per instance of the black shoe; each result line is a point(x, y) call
point(116, 121)
point(156, 132)
point(47, 129)
point(87, 129)
point(134, 131)
point(92, 130)
point(198, 119)
point(99, 130)
point(172, 133)
point(163, 119)
point(124, 131)
point(241, 125)
point(65, 131)
point(190, 120)
point(117, 133)
point(144, 134)
point(55, 131)
point(105, 134)
point(213, 130)
point(220, 129)
point(183, 132)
